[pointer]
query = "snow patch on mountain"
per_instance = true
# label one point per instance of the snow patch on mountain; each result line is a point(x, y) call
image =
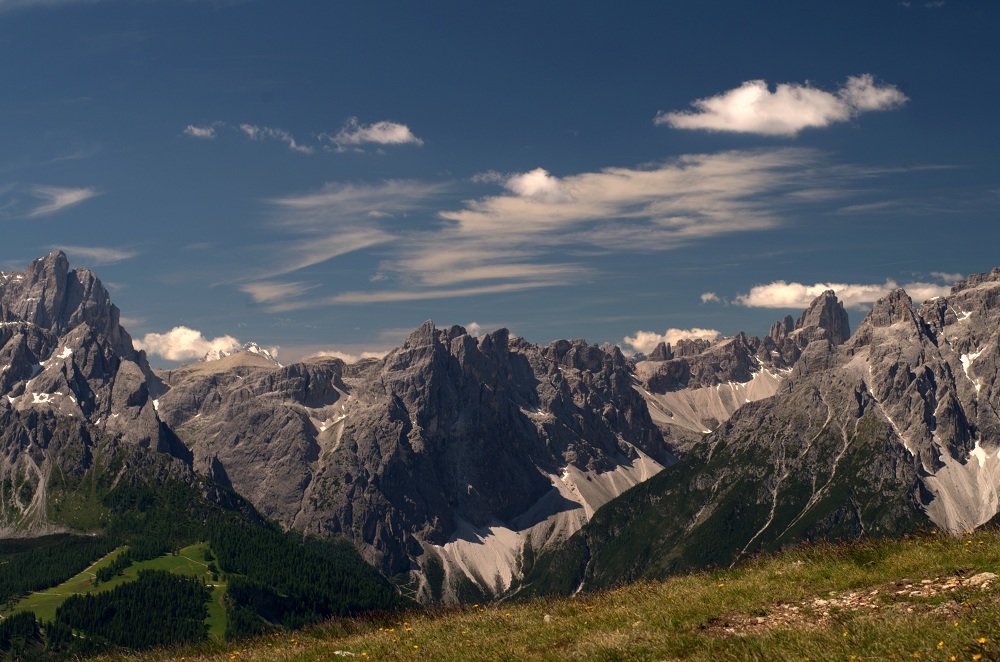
point(491, 556)
point(251, 347)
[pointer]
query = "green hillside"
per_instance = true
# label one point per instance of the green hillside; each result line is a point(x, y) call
point(920, 598)
point(189, 562)
point(174, 567)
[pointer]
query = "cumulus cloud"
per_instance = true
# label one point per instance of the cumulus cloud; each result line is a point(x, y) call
point(646, 341)
point(782, 294)
point(709, 297)
point(202, 132)
point(791, 107)
point(184, 344)
point(57, 198)
point(377, 133)
point(97, 255)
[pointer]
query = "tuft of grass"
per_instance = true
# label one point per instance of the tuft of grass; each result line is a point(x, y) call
point(698, 616)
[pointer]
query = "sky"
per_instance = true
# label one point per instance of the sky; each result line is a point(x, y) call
point(323, 177)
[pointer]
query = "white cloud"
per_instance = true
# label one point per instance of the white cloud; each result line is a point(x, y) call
point(474, 329)
point(519, 238)
point(539, 185)
point(754, 108)
point(183, 344)
point(395, 296)
point(202, 132)
point(862, 94)
point(646, 341)
point(489, 177)
point(58, 198)
point(268, 292)
point(946, 277)
point(378, 133)
point(348, 357)
point(336, 220)
point(255, 132)
point(707, 297)
point(97, 255)
point(782, 294)
point(541, 228)
point(388, 198)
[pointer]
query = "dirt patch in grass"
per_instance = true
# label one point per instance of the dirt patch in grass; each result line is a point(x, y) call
point(939, 596)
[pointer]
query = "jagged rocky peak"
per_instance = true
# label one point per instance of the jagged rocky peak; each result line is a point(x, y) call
point(827, 313)
point(72, 386)
point(897, 306)
point(780, 329)
point(661, 352)
point(50, 296)
point(249, 348)
point(424, 335)
point(975, 280)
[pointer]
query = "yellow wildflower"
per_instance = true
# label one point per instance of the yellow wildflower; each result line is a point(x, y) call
point(981, 640)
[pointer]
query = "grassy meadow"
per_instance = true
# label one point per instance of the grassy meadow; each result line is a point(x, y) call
point(921, 598)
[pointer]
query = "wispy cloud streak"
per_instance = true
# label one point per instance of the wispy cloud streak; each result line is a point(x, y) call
point(57, 198)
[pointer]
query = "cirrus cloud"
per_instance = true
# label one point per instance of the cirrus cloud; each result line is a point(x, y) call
point(791, 107)
point(98, 255)
point(57, 198)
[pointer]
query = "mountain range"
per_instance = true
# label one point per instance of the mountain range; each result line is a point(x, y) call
point(470, 467)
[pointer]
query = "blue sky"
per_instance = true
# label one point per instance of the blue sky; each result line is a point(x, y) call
point(325, 176)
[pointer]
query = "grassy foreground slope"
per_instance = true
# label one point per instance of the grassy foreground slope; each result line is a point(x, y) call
point(920, 598)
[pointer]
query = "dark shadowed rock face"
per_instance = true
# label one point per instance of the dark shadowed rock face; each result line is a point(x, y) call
point(71, 386)
point(449, 432)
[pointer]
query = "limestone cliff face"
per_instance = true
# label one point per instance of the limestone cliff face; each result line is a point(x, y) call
point(447, 433)
point(691, 389)
point(71, 388)
point(457, 460)
point(895, 429)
